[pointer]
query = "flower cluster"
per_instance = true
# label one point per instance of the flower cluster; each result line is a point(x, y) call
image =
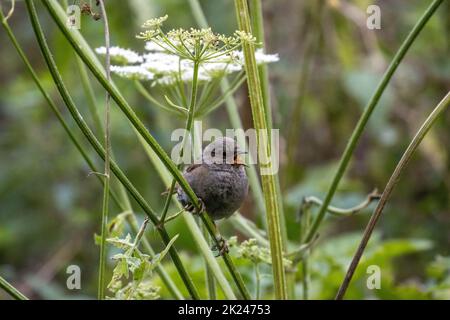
point(170, 57)
point(250, 250)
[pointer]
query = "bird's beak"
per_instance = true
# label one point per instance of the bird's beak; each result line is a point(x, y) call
point(239, 161)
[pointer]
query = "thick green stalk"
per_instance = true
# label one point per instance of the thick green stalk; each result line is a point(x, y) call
point(107, 171)
point(348, 152)
point(407, 155)
point(100, 150)
point(83, 50)
point(257, 22)
point(131, 219)
point(9, 288)
point(268, 180)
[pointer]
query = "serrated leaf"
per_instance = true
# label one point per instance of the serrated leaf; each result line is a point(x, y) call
point(121, 243)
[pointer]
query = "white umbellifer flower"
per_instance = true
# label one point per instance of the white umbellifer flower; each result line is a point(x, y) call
point(132, 72)
point(260, 56)
point(166, 80)
point(121, 55)
point(153, 47)
point(160, 62)
point(166, 68)
point(188, 74)
point(220, 68)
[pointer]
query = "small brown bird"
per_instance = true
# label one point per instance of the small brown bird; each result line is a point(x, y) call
point(220, 181)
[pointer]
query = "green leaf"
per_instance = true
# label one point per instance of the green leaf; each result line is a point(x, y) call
point(121, 243)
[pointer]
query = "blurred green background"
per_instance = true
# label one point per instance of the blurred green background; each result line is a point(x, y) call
point(330, 64)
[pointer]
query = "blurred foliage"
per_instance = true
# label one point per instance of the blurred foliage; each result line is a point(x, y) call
point(50, 208)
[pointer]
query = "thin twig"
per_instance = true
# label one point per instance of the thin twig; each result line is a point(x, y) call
point(409, 152)
point(107, 175)
point(11, 290)
point(11, 10)
point(342, 212)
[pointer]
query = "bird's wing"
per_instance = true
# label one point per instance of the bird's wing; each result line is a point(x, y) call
point(192, 167)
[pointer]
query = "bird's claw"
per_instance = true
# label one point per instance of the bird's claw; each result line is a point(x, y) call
point(191, 208)
point(221, 247)
point(201, 209)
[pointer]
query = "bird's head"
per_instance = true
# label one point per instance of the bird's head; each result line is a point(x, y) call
point(223, 151)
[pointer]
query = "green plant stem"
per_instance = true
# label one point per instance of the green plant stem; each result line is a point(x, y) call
point(258, 282)
point(187, 135)
point(342, 212)
point(9, 288)
point(348, 152)
point(101, 152)
point(131, 219)
point(144, 92)
point(140, 233)
point(305, 283)
point(406, 157)
point(107, 171)
point(83, 50)
point(90, 97)
point(268, 181)
point(209, 276)
point(257, 23)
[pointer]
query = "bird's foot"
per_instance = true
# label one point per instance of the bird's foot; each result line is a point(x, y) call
point(221, 246)
point(200, 210)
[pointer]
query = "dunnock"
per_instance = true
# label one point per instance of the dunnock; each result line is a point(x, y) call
point(220, 181)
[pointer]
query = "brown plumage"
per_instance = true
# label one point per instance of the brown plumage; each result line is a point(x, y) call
point(220, 181)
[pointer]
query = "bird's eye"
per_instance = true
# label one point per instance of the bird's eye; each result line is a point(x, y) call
point(213, 153)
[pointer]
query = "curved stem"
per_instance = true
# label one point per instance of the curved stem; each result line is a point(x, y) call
point(11, 290)
point(345, 159)
point(342, 212)
point(144, 92)
point(101, 152)
point(409, 152)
